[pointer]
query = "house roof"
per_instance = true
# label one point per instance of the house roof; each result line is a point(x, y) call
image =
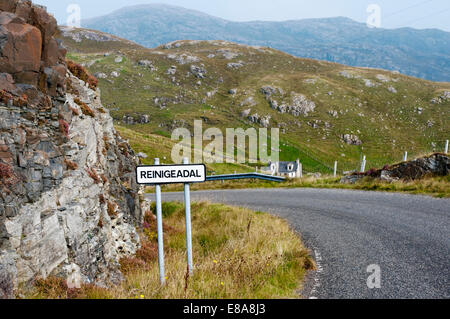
point(284, 167)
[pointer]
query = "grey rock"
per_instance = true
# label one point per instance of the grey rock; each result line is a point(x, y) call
point(198, 71)
point(351, 139)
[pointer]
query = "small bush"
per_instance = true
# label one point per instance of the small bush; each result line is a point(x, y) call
point(71, 165)
point(56, 288)
point(102, 199)
point(84, 108)
point(64, 127)
point(168, 208)
point(6, 171)
point(143, 260)
point(81, 73)
point(74, 111)
point(93, 174)
point(112, 210)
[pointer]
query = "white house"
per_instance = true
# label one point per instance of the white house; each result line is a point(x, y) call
point(288, 169)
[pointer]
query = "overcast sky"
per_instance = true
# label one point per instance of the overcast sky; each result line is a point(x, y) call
point(418, 14)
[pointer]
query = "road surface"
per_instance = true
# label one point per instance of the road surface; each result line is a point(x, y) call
point(406, 236)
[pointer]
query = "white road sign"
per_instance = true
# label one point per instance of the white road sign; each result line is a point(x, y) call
point(170, 174)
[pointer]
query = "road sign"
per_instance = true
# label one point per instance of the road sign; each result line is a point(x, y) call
point(171, 174)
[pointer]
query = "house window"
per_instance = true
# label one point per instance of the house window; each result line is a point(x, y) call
point(290, 167)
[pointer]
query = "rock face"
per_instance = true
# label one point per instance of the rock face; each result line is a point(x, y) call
point(69, 202)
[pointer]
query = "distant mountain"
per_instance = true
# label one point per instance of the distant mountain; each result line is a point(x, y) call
point(420, 53)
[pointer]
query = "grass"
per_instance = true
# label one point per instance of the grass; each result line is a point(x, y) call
point(238, 253)
point(432, 186)
point(387, 123)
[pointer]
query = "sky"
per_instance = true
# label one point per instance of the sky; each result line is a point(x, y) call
point(419, 14)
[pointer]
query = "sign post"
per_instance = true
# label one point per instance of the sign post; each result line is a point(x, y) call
point(187, 205)
point(335, 169)
point(363, 164)
point(162, 276)
point(171, 174)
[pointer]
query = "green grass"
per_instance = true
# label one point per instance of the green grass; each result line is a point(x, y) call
point(232, 256)
point(387, 123)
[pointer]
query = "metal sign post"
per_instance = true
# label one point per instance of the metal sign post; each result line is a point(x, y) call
point(187, 205)
point(363, 164)
point(162, 277)
point(170, 174)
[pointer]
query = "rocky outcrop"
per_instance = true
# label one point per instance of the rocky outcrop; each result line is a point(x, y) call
point(351, 139)
point(138, 119)
point(28, 50)
point(69, 202)
point(434, 165)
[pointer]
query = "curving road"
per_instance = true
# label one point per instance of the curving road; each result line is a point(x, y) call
point(407, 236)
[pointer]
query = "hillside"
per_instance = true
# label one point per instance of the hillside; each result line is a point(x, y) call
point(419, 53)
point(325, 111)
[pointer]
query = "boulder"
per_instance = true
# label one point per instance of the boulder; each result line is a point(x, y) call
point(20, 53)
point(351, 139)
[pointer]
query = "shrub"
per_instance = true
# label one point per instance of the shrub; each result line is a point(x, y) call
point(84, 108)
point(64, 127)
point(6, 171)
point(74, 111)
point(168, 208)
point(19, 101)
point(143, 259)
point(81, 73)
point(56, 288)
point(71, 165)
point(112, 210)
point(93, 174)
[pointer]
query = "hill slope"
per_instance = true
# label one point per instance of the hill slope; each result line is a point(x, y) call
point(325, 111)
point(419, 53)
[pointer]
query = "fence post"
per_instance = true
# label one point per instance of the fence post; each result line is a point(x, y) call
point(301, 170)
point(187, 207)
point(405, 157)
point(363, 164)
point(335, 168)
point(162, 277)
point(446, 147)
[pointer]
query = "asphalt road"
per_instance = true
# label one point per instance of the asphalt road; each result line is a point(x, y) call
point(407, 236)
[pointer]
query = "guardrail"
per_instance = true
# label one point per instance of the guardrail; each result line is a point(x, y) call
point(245, 176)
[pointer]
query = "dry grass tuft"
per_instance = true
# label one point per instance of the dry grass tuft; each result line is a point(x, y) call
point(238, 253)
point(93, 174)
point(71, 165)
point(84, 108)
point(81, 73)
